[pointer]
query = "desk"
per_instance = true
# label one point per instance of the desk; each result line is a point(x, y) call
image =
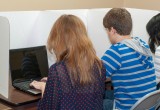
point(26, 101)
point(31, 106)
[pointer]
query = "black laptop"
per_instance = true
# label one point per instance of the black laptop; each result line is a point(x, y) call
point(26, 65)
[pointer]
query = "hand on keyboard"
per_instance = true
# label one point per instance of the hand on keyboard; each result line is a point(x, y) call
point(38, 85)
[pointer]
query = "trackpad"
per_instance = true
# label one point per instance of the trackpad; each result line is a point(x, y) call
point(34, 91)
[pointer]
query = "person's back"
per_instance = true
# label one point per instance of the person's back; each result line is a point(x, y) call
point(133, 77)
point(69, 96)
point(77, 80)
point(128, 61)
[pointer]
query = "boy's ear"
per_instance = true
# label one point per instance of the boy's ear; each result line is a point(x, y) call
point(113, 30)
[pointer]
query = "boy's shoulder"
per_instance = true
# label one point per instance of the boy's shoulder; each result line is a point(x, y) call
point(117, 46)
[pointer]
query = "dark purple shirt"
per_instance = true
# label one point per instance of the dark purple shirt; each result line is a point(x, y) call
point(61, 94)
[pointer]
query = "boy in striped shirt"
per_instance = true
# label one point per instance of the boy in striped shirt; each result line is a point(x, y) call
point(128, 61)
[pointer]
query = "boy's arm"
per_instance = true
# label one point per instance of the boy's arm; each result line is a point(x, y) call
point(112, 61)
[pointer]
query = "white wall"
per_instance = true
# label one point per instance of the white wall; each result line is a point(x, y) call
point(96, 30)
point(21, 25)
point(140, 18)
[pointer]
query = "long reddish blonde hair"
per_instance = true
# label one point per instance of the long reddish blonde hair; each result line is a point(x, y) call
point(69, 41)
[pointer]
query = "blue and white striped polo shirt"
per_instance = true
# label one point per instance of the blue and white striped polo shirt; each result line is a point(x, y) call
point(131, 70)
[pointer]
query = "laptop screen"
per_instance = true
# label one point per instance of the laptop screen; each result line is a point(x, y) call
point(28, 63)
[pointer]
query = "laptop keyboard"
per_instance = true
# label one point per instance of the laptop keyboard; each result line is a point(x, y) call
point(23, 85)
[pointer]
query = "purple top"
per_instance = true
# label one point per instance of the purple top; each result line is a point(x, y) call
point(61, 94)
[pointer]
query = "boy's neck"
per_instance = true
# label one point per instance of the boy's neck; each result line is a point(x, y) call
point(121, 38)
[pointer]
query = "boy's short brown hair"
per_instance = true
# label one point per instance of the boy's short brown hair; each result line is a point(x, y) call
point(120, 19)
